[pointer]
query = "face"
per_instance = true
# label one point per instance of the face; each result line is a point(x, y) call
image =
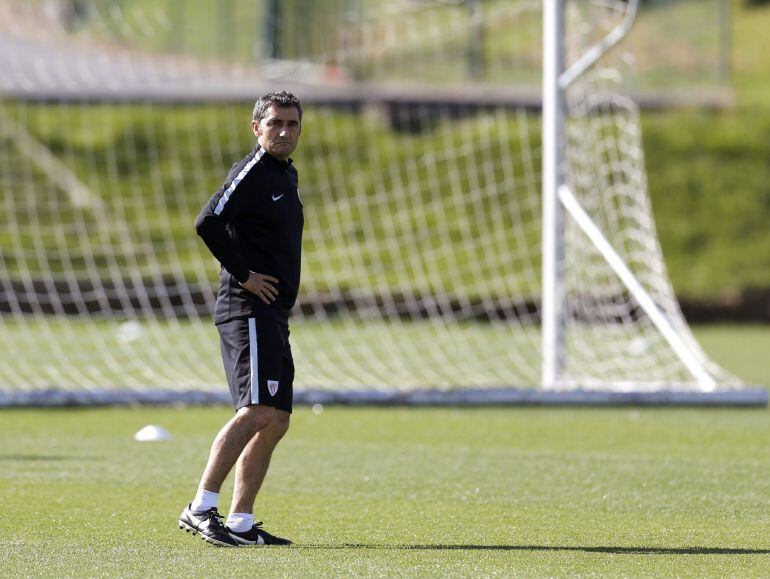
point(278, 132)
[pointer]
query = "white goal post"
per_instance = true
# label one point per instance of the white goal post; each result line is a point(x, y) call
point(477, 222)
point(556, 193)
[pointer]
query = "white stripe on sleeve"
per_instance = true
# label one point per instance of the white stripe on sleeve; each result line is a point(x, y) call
point(235, 182)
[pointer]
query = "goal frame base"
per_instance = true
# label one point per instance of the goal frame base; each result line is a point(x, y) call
point(753, 397)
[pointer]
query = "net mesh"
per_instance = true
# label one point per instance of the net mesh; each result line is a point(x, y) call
point(419, 173)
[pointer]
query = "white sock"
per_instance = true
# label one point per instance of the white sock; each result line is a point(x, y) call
point(240, 522)
point(204, 500)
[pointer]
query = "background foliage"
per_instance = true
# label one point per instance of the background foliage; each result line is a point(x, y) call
point(709, 177)
point(708, 170)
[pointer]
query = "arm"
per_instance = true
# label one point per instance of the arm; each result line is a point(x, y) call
point(212, 228)
point(211, 225)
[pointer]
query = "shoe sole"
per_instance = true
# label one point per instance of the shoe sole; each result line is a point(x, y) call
point(188, 529)
point(246, 543)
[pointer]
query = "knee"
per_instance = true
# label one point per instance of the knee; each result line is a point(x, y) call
point(279, 424)
point(254, 418)
point(265, 420)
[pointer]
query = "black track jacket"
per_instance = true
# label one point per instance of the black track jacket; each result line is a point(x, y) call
point(254, 222)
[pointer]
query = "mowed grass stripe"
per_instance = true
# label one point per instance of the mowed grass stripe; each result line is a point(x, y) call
point(400, 492)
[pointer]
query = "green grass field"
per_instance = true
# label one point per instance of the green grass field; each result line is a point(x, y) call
point(410, 492)
point(407, 492)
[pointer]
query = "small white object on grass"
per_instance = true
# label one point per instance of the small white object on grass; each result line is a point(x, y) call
point(151, 433)
point(318, 408)
point(638, 346)
point(129, 331)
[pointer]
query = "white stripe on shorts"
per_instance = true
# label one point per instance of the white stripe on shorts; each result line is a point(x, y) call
point(254, 361)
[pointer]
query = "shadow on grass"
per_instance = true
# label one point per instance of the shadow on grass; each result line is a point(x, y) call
point(610, 550)
point(46, 457)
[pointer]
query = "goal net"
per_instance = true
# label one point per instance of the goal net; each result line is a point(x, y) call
point(420, 174)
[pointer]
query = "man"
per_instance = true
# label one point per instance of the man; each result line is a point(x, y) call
point(253, 226)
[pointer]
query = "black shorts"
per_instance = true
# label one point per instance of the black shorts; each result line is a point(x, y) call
point(258, 362)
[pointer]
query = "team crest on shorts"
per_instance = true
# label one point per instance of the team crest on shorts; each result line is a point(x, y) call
point(272, 387)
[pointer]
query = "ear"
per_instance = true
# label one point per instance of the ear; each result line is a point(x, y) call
point(255, 128)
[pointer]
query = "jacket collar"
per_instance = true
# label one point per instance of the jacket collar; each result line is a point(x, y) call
point(270, 158)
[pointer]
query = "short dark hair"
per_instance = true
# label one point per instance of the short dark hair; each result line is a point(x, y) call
point(279, 99)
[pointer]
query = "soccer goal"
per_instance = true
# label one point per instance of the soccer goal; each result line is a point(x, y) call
point(477, 223)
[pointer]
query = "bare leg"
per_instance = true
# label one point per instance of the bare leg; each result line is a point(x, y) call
point(253, 462)
point(230, 442)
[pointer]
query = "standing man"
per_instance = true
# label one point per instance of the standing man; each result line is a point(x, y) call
point(253, 226)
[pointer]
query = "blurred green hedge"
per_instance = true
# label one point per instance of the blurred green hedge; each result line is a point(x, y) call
point(709, 179)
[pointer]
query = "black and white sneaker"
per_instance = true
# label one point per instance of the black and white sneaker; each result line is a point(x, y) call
point(208, 524)
point(257, 536)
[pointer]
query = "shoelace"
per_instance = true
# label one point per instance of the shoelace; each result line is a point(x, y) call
point(215, 518)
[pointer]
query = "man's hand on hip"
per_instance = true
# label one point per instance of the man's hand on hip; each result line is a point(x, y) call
point(261, 285)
